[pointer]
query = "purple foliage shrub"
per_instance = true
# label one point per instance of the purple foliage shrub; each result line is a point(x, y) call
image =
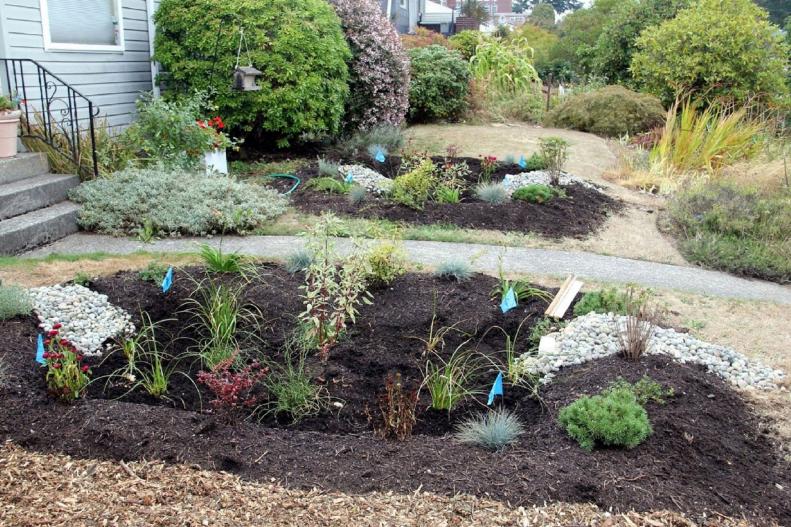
point(379, 67)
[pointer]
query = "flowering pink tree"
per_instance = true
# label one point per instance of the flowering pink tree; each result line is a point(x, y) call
point(379, 67)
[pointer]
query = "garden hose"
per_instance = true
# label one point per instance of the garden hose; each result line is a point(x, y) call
point(289, 176)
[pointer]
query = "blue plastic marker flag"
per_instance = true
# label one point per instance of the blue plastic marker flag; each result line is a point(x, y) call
point(40, 350)
point(168, 280)
point(349, 178)
point(509, 301)
point(523, 161)
point(497, 389)
point(380, 155)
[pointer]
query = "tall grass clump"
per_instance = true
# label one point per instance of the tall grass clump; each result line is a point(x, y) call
point(328, 168)
point(493, 430)
point(291, 388)
point(14, 301)
point(705, 140)
point(448, 381)
point(217, 261)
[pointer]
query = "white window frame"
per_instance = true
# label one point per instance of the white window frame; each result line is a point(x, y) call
point(100, 48)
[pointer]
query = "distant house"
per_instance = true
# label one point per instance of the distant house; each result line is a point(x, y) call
point(408, 15)
point(101, 48)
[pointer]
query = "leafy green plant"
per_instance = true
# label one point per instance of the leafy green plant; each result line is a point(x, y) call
point(447, 195)
point(448, 381)
point(328, 184)
point(328, 168)
point(466, 42)
point(299, 260)
point(310, 66)
point(543, 327)
point(534, 193)
point(397, 409)
point(386, 262)
point(505, 66)
point(454, 269)
point(439, 84)
point(614, 418)
point(14, 301)
point(708, 50)
point(492, 430)
point(217, 261)
point(554, 150)
point(414, 188)
point(535, 162)
point(602, 301)
point(67, 377)
point(646, 390)
point(147, 232)
point(611, 111)
point(492, 193)
point(175, 202)
point(82, 278)
point(154, 272)
point(292, 390)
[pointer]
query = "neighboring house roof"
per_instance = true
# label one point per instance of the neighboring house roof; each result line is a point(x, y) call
point(436, 14)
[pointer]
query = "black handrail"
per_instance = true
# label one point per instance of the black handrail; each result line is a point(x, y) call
point(43, 97)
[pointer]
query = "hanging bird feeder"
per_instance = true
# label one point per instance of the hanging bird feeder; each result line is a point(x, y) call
point(244, 78)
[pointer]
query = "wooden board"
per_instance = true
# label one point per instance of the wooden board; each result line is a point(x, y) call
point(560, 304)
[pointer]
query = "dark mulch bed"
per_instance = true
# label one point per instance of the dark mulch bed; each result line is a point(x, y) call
point(581, 213)
point(708, 451)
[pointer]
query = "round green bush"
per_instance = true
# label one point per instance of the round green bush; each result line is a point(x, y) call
point(298, 45)
point(439, 85)
point(713, 49)
point(534, 193)
point(466, 41)
point(611, 111)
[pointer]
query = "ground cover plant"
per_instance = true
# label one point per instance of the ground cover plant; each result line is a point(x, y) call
point(312, 414)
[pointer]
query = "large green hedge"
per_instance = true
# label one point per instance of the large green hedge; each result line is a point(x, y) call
point(439, 85)
point(297, 44)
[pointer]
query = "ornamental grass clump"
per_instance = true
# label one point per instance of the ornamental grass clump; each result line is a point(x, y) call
point(67, 377)
point(493, 430)
point(638, 326)
point(454, 269)
point(217, 261)
point(290, 387)
point(328, 168)
point(492, 193)
point(14, 301)
point(299, 260)
point(175, 202)
point(448, 381)
point(613, 418)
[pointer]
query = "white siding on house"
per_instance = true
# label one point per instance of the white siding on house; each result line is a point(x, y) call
point(111, 80)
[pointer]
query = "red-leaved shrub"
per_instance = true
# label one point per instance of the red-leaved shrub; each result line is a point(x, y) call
point(232, 389)
point(379, 69)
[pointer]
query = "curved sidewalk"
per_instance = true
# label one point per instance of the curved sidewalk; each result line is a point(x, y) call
point(484, 258)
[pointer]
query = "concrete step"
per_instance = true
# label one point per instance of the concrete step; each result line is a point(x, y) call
point(34, 193)
point(22, 166)
point(37, 228)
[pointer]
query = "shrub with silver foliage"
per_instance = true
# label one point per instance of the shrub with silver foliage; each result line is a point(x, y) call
point(493, 430)
point(175, 202)
point(14, 301)
point(494, 193)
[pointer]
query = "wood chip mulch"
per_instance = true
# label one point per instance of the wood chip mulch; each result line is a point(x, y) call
point(57, 490)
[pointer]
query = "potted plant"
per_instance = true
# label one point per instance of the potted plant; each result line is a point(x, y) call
point(9, 126)
point(215, 156)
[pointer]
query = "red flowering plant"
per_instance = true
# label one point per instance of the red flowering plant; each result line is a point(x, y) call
point(213, 130)
point(488, 166)
point(233, 389)
point(67, 377)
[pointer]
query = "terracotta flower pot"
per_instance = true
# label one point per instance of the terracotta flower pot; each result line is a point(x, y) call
point(9, 126)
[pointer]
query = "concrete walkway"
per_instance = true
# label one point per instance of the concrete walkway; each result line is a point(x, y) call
point(483, 258)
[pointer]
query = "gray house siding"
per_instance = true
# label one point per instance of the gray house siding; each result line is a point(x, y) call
point(111, 80)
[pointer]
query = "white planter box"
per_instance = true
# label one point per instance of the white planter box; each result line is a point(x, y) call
point(216, 161)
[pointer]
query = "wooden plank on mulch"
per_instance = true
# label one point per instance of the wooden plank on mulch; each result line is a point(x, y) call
point(560, 304)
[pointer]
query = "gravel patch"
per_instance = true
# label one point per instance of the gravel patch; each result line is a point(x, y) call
point(370, 180)
point(87, 317)
point(511, 182)
point(594, 336)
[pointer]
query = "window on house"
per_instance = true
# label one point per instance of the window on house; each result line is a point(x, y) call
point(402, 3)
point(84, 25)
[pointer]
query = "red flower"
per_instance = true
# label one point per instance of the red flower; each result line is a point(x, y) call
point(85, 369)
point(201, 123)
point(56, 365)
point(47, 342)
point(46, 355)
point(217, 123)
point(57, 326)
point(52, 333)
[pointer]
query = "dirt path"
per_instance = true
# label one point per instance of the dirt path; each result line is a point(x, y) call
point(631, 235)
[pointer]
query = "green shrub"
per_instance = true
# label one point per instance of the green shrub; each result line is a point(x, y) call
point(439, 85)
point(175, 202)
point(328, 184)
point(613, 418)
point(543, 327)
point(386, 262)
point(414, 188)
point(554, 150)
point(730, 228)
point(298, 45)
point(154, 272)
point(292, 390)
point(602, 301)
point(492, 193)
point(14, 301)
point(534, 193)
point(466, 41)
point(611, 111)
point(646, 390)
point(505, 67)
point(713, 49)
point(493, 430)
point(454, 269)
point(535, 162)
